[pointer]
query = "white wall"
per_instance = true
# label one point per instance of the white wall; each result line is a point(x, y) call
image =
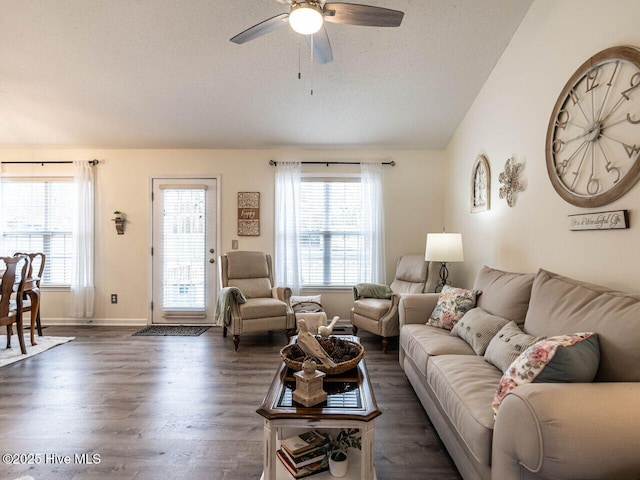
point(509, 118)
point(413, 202)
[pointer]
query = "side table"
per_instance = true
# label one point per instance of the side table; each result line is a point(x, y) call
point(350, 404)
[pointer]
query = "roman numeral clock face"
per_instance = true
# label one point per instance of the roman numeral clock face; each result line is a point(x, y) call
point(593, 138)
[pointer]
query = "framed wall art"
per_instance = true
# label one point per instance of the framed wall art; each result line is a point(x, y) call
point(248, 214)
point(480, 185)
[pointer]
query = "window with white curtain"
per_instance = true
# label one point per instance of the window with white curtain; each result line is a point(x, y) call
point(37, 217)
point(330, 236)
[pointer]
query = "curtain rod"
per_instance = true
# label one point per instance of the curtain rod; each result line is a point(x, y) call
point(391, 163)
point(93, 162)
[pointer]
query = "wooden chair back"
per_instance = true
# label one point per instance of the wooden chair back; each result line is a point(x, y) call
point(38, 260)
point(15, 273)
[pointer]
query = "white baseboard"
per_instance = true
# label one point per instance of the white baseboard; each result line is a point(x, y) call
point(98, 322)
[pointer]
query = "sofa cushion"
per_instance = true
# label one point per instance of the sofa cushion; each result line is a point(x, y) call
point(420, 342)
point(507, 345)
point(560, 305)
point(451, 307)
point(372, 307)
point(464, 386)
point(505, 294)
point(565, 358)
point(477, 328)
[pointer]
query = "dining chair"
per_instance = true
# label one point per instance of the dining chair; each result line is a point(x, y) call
point(31, 296)
point(12, 283)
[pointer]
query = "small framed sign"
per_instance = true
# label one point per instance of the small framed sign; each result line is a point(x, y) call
point(613, 220)
point(248, 214)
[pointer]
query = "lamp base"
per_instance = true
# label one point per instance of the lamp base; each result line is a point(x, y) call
point(444, 274)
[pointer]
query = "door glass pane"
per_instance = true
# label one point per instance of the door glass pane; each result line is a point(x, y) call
point(184, 249)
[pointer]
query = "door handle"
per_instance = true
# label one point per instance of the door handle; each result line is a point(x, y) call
point(212, 260)
point(212, 250)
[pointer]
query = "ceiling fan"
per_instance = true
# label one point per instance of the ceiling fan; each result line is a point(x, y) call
point(308, 16)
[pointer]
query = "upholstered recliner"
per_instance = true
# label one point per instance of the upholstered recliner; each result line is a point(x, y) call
point(265, 307)
point(380, 315)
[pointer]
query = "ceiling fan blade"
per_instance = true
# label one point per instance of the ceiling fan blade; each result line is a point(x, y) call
point(262, 28)
point(363, 15)
point(321, 46)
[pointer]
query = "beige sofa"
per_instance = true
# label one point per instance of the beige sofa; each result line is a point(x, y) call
point(542, 430)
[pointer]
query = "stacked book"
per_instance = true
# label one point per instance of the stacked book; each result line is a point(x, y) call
point(304, 454)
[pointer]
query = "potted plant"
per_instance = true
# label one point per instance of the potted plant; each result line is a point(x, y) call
point(338, 459)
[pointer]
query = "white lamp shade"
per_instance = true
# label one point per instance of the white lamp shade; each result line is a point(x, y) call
point(305, 18)
point(444, 247)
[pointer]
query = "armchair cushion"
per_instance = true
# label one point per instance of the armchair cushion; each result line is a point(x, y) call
point(373, 308)
point(252, 287)
point(263, 308)
point(247, 265)
point(411, 274)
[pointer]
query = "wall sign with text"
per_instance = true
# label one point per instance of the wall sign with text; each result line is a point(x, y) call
point(248, 214)
point(613, 220)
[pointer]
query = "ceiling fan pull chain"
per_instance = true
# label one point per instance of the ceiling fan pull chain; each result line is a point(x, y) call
point(299, 58)
point(312, 69)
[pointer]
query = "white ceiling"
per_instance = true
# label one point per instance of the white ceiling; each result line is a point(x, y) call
point(163, 74)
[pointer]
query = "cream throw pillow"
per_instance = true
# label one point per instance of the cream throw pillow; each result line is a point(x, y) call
point(478, 327)
point(507, 345)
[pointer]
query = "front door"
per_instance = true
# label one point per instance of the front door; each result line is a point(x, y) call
point(184, 225)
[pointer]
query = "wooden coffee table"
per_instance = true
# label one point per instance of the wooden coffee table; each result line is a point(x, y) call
point(350, 404)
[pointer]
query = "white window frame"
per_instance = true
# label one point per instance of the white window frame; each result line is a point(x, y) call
point(325, 177)
point(16, 178)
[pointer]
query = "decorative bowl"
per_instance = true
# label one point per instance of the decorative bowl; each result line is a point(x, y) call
point(293, 357)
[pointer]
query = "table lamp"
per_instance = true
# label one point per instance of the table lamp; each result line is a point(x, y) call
point(444, 248)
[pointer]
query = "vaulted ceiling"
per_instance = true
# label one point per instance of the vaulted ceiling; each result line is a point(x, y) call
point(163, 74)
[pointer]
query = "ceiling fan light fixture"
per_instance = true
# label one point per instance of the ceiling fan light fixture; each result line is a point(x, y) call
point(305, 18)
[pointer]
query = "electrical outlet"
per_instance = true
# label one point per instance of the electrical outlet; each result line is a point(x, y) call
point(114, 298)
point(234, 244)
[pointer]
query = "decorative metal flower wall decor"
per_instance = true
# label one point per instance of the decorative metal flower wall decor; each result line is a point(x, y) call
point(510, 183)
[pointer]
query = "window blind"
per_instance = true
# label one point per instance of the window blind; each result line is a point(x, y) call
point(36, 217)
point(330, 231)
point(183, 249)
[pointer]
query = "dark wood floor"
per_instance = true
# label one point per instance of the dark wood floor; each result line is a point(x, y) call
point(166, 408)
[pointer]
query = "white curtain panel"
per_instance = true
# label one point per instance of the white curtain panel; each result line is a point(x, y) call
point(2, 251)
point(287, 254)
point(372, 258)
point(82, 287)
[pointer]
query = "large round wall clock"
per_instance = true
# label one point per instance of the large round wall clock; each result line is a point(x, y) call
point(593, 137)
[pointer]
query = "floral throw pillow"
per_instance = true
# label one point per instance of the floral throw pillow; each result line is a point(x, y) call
point(580, 365)
point(452, 304)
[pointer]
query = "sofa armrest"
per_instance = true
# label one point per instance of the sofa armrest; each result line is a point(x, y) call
point(416, 307)
point(572, 431)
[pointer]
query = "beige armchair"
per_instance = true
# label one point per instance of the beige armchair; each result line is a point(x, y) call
point(266, 307)
point(380, 315)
